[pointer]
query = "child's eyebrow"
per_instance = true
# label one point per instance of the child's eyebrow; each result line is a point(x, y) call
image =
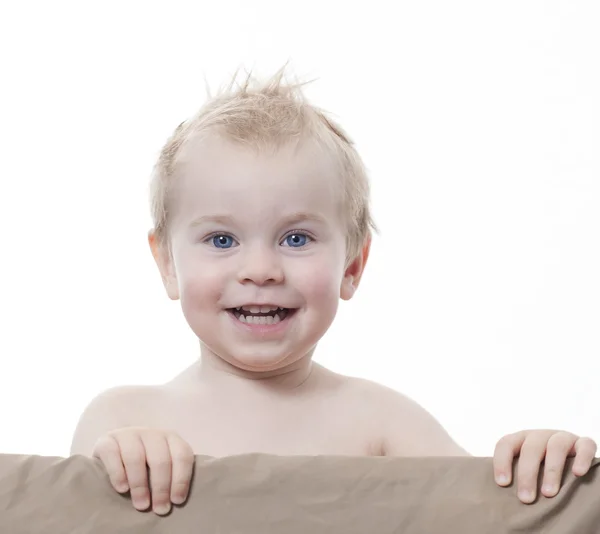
point(203, 219)
point(302, 216)
point(297, 217)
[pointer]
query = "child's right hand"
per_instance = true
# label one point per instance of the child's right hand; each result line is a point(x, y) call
point(125, 454)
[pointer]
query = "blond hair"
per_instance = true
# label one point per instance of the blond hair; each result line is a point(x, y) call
point(268, 114)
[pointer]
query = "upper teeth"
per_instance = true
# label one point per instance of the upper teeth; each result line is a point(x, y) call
point(258, 309)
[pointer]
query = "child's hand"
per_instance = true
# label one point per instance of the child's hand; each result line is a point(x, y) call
point(125, 454)
point(535, 446)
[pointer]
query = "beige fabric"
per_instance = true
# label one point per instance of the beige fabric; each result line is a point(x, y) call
point(295, 495)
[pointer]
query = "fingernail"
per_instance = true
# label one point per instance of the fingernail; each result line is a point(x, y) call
point(502, 480)
point(526, 496)
point(579, 469)
point(142, 504)
point(178, 499)
point(162, 509)
point(549, 489)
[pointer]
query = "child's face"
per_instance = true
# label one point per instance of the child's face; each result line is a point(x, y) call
point(254, 229)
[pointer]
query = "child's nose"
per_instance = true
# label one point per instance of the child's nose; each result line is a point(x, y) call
point(261, 266)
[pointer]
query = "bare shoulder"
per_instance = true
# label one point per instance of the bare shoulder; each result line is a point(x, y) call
point(404, 427)
point(113, 408)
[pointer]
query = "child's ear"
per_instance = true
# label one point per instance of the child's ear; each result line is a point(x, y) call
point(354, 272)
point(162, 257)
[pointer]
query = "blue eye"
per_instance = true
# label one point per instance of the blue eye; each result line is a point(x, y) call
point(222, 241)
point(296, 240)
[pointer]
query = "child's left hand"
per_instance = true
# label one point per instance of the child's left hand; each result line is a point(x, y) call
point(535, 446)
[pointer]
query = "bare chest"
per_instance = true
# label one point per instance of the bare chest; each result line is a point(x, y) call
point(304, 429)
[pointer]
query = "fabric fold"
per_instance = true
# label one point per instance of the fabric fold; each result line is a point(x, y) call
point(263, 494)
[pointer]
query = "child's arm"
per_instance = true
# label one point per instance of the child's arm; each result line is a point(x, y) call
point(409, 430)
point(107, 411)
point(154, 465)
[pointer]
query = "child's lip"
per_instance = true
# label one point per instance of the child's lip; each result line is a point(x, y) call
point(271, 306)
point(234, 311)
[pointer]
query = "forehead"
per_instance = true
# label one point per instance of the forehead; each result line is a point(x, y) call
point(218, 176)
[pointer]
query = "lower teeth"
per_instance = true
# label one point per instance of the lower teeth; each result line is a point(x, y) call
point(262, 319)
point(259, 319)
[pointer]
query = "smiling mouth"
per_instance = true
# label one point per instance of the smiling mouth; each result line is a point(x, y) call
point(261, 315)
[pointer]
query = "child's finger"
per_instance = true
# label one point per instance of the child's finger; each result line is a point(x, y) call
point(108, 452)
point(506, 450)
point(158, 458)
point(134, 461)
point(557, 450)
point(182, 457)
point(530, 460)
point(585, 451)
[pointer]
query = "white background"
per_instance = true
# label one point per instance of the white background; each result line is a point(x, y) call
point(479, 122)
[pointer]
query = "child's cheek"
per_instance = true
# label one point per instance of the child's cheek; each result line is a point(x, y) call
point(202, 287)
point(320, 283)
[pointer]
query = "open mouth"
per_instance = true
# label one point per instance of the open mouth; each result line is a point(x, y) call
point(261, 314)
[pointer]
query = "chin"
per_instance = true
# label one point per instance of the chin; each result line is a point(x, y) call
point(261, 362)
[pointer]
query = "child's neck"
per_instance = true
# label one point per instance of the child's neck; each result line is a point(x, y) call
point(216, 371)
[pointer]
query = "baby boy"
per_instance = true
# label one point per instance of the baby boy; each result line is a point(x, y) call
point(262, 224)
